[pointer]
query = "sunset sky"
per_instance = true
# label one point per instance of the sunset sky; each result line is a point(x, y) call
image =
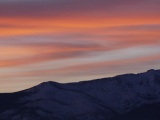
point(74, 40)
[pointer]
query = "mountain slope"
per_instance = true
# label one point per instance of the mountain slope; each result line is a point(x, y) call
point(119, 98)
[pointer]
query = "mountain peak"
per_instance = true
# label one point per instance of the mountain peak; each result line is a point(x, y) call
point(49, 83)
point(151, 70)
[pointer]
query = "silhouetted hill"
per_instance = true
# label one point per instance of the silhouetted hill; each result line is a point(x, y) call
point(124, 97)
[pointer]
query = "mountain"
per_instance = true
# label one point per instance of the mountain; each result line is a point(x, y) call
point(123, 97)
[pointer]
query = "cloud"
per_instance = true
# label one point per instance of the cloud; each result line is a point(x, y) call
point(104, 69)
point(67, 39)
point(22, 54)
point(54, 8)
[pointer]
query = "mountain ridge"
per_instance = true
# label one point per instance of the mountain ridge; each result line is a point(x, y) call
point(113, 98)
point(84, 81)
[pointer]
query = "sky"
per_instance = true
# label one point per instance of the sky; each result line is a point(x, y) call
point(75, 40)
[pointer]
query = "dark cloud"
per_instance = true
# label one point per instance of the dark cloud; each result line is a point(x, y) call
point(54, 8)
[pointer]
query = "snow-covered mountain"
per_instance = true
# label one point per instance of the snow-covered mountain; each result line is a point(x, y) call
point(124, 97)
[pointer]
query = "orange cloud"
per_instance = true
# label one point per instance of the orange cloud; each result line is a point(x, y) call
point(24, 26)
point(34, 32)
point(90, 69)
